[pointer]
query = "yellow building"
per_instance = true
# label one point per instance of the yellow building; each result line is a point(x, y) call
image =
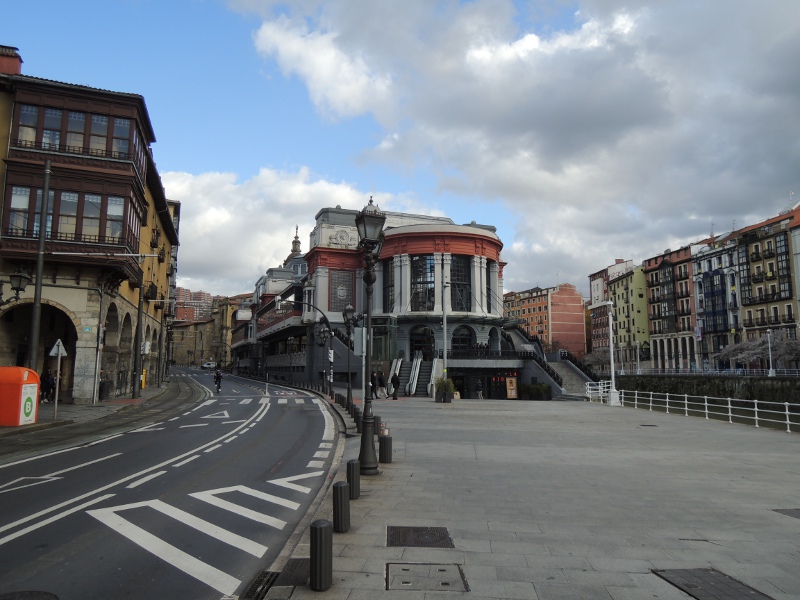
point(110, 234)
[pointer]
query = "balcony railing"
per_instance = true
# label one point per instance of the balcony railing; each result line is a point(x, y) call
point(125, 241)
point(754, 256)
point(787, 318)
point(757, 277)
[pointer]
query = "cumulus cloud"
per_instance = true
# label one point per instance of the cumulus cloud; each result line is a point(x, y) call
point(605, 129)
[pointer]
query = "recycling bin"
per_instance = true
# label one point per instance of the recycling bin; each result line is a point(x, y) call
point(19, 396)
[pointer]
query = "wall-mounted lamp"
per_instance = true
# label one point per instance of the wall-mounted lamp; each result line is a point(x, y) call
point(19, 280)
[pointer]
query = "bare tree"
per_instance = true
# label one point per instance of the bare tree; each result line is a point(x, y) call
point(785, 350)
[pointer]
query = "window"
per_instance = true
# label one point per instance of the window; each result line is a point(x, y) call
point(422, 283)
point(461, 283)
point(388, 285)
point(51, 136)
point(121, 142)
point(38, 214)
point(28, 124)
point(68, 215)
point(99, 135)
point(18, 215)
point(341, 290)
point(76, 125)
point(114, 218)
point(90, 223)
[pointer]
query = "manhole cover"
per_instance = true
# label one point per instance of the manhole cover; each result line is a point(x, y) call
point(427, 577)
point(710, 584)
point(418, 537)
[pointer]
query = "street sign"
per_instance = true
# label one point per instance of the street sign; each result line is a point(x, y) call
point(58, 349)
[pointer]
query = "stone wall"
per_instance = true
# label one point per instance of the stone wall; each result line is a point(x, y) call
point(768, 389)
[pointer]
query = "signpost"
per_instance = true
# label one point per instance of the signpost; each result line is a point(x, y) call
point(58, 351)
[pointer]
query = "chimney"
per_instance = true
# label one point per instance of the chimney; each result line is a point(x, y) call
point(10, 61)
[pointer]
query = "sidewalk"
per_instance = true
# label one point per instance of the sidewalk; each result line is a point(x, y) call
point(67, 414)
point(565, 500)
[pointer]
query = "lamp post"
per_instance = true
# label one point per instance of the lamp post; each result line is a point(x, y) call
point(369, 223)
point(613, 394)
point(348, 314)
point(771, 372)
point(324, 334)
point(638, 368)
point(19, 280)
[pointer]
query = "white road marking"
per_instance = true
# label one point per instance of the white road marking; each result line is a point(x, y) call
point(229, 422)
point(282, 401)
point(148, 428)
point(315, 464)
point(212, 448)
point(111, 437)
point(326, 445)
point(53, 519)
point(33, 481)
point(24, 460)
point(286, 481)
point(193, 425)
point(246, 401)
point(210, 496)
point(173, 419)
point(211, 576)
point(144, 480)
point(230, 439)
point(321, 454)
point(259, 415)
point(91, 462)
point(188, 460)
point(220, 415)
point(329, 432)
point(299, 401)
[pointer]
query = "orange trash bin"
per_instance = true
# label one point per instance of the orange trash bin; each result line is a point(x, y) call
point(19, 396)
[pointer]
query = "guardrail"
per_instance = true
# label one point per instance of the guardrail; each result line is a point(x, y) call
point(758, 413)
point(716, 372)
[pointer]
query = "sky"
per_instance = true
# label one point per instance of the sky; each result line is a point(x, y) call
point(584, 130)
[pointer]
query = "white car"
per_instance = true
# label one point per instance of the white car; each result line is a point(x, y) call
point(209, 365)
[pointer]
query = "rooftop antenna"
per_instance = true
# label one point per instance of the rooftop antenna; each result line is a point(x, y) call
point(712, 229)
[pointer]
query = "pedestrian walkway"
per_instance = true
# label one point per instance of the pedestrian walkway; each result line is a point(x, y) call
point(565, 500)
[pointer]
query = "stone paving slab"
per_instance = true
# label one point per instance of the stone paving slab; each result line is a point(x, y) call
point(570, 500)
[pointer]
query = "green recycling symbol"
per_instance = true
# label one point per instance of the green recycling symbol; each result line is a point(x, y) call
point(27, 407)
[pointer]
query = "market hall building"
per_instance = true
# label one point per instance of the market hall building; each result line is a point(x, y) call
point(430, 270)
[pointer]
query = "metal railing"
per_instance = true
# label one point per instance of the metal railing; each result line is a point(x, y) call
point(598, 390)
point(717, 372)
point(776, 415)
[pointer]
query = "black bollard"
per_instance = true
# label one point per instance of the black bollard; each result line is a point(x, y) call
point(354, 478)
point(377, 425)
point(357, 419)
point(321, 555)
point(385, 448)
point(341, 507)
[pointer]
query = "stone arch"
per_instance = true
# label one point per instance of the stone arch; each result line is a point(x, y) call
point(461, 339)
point(124, 365)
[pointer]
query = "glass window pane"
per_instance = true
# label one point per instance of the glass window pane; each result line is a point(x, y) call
point(20, 197)
point(51, 138)
point(99, 125)
point(75, 141)
point(77, 122)
point(122, 128)
point(69, 203)
point(116, 207)
point(91, 205)
point(27, 135)
point(120, 146)
point(29, 115)
point(97, 143)
point(52, 118)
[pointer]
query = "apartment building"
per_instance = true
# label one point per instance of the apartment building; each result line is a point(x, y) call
point(631, 333)
point(110, 234)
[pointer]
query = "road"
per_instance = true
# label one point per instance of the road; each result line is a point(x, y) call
point(193, 506)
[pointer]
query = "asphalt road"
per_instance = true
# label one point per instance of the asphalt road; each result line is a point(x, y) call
point(191, 506)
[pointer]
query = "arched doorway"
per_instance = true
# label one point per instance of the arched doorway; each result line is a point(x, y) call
point(462, 339)
point(422, 340)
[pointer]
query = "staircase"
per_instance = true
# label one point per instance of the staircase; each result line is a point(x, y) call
point(424, 378)
point(405, 375)
point(574, 383)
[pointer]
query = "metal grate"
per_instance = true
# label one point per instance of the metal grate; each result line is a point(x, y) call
point(427, 577)
point(710, 584)
point(418, 537)
point(260, 586)
point(296, 572)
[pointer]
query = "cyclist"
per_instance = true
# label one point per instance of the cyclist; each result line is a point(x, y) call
point(217, 379)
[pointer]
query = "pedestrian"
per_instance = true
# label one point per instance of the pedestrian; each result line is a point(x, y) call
point(395, 385)
point(479, 389)
point(382, 386)
point(373, 386)
point(46, 386)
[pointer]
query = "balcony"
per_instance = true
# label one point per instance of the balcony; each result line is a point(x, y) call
point(774, 320)
point(755, 256)
point(761, 322)
point(757, 277)
point(768, 253)
point(770, 275)
point(681, 275)
point(150, 291)
point(787, 318)
point(748, 323)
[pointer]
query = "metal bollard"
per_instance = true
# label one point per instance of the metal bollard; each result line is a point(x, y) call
point(341, 507)
point(349, 406)
point(354, 478)
point(385, 448)
point(357, 419)
point(377, 425)
point(321, 555)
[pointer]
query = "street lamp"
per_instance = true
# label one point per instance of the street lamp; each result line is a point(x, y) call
point(324, 334)
point(771, 372)
point(19, 280)
point(348, 314)
point(369, 223)
point(613, 394)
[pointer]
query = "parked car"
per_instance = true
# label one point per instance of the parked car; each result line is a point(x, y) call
point(209, 365)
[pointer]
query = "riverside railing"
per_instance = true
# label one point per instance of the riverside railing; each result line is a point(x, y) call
point(758, 413)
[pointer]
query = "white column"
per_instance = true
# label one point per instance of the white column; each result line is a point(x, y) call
point(399, 293)
point(322, 285)
point(405, 284)
point(446, 259)
point(437, 282)
point(495, 285)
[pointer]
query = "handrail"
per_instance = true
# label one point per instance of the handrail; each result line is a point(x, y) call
point(411, 386)
point(776, 415)
point(394, 369)
point(431, 386)
point(580, 365)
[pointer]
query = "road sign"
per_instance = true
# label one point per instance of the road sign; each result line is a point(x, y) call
point(58, 349)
